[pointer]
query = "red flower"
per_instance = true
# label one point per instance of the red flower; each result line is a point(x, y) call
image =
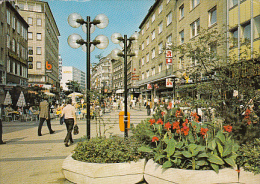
point(228, 128)
point(203, 131)
point(152, 121)
point(185, 130)
point(176, 125)
point(249, 122)
point(167, 126)
point(163, 113)
point(160, 121)
point(178, 113)
point(155, 139)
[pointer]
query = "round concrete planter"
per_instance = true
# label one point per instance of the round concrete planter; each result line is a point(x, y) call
point(154, 174)
point(95, 173)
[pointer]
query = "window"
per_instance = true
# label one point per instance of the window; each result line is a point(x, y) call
point(8, 40)
point(30, 20)
point(142, 60)
point(169, 18)
point(233, 3)
point(13, 45)
point(160, 27)
point(13, 23)
point(142, 31)
point(147, 25)
point(8, 65)
point(143, 46)
point(30, 65)
point(38, 65)
point(30, 59)
point(147, 57)
point(180, 63)
point(38, 50)
point(147, 74)
point(18, 49)
point(142, 76)
point(182, 37)
point(8, 17)
point(195, 28)
point(153, 53)
point(18, 69)
point(169, 38)
point(194, 3)
point(147, 40)
point(212, 16)
point(160, 68)
point(39, 22)
point(160, 47)
point(213, 47)
point(257, 27)
point(246, 29)
point(234, 36)
point(18, 27)
point(30, 50)
point(30, 35)
point(153, 71)
point(160, 8)
point(153, 17)
point(39, 36)
point(181, 10)
point(153, 34)
point(21, 6)
point(30, 7)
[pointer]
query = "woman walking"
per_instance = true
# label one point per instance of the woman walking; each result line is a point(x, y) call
point(70, 119)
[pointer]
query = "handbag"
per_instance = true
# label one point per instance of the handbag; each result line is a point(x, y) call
point(76, 130)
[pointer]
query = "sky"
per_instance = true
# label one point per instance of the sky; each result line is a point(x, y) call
point(125, 17)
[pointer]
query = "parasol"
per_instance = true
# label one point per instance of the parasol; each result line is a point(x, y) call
point(21, 100)
point(75, 94)
point(8, 99)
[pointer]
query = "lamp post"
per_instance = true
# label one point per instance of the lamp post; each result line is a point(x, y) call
point(75, 41)
point(116, 53)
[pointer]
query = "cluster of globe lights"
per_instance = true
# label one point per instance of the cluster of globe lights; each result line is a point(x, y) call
point(75, 40)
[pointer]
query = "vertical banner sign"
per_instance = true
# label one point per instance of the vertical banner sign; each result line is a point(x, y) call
point(168, 57)
point(149, 86)
point(169, 83)
point(48, 67)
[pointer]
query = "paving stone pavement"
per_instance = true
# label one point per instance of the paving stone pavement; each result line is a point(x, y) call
point(27, 158)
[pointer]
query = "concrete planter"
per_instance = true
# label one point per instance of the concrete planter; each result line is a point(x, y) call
point(154, 174)
point(95, 173)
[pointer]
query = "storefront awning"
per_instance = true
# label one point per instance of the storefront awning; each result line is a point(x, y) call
point(120, 91)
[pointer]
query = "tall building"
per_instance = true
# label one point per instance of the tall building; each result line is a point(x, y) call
point(60, 67)
point(70, 73)
point(43, 42)
point(13, 51)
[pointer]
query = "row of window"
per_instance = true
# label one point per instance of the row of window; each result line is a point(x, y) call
point(38, 21)
point(16, 68)
point(38, 64)
point(147, 74)
point(16, 25)
point(16, 47)
point(30, 7)
point(38, 50)
point(38, 36)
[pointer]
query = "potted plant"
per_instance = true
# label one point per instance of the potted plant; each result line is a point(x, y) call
point(105, 160)
point(174, 141)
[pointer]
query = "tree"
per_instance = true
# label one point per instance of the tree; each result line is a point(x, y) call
point(73, 86)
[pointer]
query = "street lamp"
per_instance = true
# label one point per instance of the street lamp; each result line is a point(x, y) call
point(116, 53)
point(75, 41)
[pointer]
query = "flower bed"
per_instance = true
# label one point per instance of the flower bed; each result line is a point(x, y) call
point(91, 173)
point(154, 174)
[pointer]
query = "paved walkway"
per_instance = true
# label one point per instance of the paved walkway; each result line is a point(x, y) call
point(28, 158)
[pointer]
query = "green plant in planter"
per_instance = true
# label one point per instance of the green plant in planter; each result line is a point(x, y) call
point(249, 156)
point(180, 143)
point(107, 150)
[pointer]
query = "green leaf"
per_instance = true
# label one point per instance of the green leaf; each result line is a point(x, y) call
point(167, 164)
point(192, 147)
point(215, 159)
point(201, 162)
point(145, 149)
point(235, 147)
point(159, 157)
point(191, 138)
point(178, 154)
point(195, 152)
point(201, 148)
point(203, 154)
point(215, 167)
point(221, 136)
point(186, 154)
point(230, 161)
point(179, 145)
point(220, 148)
point(170, 148)
point(227, 150)
point(212, 144)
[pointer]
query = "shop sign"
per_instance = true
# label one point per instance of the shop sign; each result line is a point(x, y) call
point(169, 83)
point(149, 86)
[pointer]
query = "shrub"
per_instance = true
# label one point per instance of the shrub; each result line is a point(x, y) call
point(107, 150)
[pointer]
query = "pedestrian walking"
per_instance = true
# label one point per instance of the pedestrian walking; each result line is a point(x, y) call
point(148, 107)
point(44, 115)
point(70, 119)
point(1, 126)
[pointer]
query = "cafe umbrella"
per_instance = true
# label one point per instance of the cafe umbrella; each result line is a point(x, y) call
point(8, 99)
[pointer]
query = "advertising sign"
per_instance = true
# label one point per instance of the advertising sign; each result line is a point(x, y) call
point(48, 67)
point(149, 86)
point(169, 83)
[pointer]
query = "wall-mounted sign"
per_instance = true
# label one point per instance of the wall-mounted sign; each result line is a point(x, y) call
point(149, 86)
point(168, 57)
point(169, 61)
point(169, 83)
point(168, 53)
point(48, 67)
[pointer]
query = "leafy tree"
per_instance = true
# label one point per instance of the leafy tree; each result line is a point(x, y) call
point(73, 86)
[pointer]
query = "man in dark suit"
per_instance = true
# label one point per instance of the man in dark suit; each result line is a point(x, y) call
point(44, 115)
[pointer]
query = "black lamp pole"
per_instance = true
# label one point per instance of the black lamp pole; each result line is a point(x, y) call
point(88, 76)
point(125, 84)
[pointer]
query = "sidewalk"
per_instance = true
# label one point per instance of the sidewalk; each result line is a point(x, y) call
point(28, 158)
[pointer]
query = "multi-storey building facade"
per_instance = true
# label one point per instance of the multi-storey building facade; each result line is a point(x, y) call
point(60, 67)
point(13, 51)
point(172, 22)
point(70, 73)
point(43, 42)
point(101, 75)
